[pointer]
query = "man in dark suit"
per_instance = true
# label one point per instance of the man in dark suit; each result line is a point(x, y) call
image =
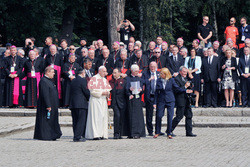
point(175, 62)
point(210, 77)
point(182, 103)
point(88, 69)
point(119, 104)
point(150, 76)
point(79, 106)
point(244, 66)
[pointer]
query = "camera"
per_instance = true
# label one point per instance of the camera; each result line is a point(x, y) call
point(124, 21)
point(191, 98)
point(29, 43)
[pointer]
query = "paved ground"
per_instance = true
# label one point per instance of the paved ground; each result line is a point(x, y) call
point(214, 147)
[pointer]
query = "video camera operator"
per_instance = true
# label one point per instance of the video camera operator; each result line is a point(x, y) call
point(183, 102)
point(29, 45)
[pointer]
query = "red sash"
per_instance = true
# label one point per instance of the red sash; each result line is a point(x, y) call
point(15, 89)
point(59, 88)
point(159, 70)
point(124, 71)
point(38, 78)
point(109, 77)
point(24, 86)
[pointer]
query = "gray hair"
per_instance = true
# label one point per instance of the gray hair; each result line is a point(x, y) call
point(84, 49)
point(21, 51)
point(205, 49)
point(134, 67)
point(184, 49)
point(101, 67)
point(182, 67)
point(124, 51)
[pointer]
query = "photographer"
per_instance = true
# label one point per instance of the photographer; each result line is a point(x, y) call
point(183, 102)
point(125, 29)
point(29, 45)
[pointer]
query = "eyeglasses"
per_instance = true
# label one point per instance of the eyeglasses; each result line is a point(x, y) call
point(71, 49)
point(157, 52)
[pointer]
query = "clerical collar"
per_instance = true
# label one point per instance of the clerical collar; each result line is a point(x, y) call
point(133, 75)
point(47, 76)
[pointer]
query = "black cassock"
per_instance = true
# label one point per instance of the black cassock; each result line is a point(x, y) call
point(56, 62)
point(75, 68)
point(47, 129)
point(136, 117)
point(12, 89)
point(33, 78)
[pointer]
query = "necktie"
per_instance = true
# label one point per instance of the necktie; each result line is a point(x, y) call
point(209, 60)
point(152, 84)
point(175, 58)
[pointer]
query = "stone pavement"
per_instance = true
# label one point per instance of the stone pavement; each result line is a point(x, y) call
point(14, 124)
point(213, 147)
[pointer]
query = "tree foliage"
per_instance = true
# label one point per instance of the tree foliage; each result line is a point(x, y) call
point(169, 18)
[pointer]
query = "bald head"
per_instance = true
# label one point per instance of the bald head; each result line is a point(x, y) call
point(153, 66)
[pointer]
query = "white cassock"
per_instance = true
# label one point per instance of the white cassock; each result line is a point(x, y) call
point(97, 120)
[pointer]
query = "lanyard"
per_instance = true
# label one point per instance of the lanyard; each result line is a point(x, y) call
point(14, 61)
point(33, 62)
point(243, 30)
point(53, 59)
point(158, 61)
point(191, 62)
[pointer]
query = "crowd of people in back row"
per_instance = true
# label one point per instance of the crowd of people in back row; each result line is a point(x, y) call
point(212, 68)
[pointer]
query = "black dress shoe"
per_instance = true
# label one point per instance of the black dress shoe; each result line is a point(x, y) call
point(97, 138)
point(116, 136)
point(173, 135)
point(191, 135)
point(150, 134)
point(161, 134)
point(76, 140)
point(136, 137)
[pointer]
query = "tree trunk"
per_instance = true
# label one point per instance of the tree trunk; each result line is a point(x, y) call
point(67, 25)
point(171, 19)
point(215, 21)
point(116, 10)
point(141, 24)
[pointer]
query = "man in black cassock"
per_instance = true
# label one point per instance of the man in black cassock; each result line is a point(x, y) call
point(33, 69)
point(55, 61)
point(79, 106)
point(12, 89)
point(119, 104)
point(47, 127)
point(136, 118)
point(69, 71)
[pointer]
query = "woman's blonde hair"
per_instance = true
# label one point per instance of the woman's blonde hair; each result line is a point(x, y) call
point(167, 73)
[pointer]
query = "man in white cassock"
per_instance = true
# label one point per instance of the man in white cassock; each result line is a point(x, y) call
point(97, 120)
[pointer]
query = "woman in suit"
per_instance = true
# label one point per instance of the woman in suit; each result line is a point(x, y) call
point(164, 98)
point(193, 64)
point(229, 76)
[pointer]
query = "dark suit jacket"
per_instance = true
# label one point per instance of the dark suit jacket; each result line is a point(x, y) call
point(243, 64)
point(109, 64)
point(210, 72)
point(79, 94)
point(233, 64)
point(166, 95)
point(118, 92)
point(180, 98)
point(145, 76)
point(174, 66)
point(161, 61)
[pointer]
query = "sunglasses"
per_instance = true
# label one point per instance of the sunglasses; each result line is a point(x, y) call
point(71, 49)
point(157, 52)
